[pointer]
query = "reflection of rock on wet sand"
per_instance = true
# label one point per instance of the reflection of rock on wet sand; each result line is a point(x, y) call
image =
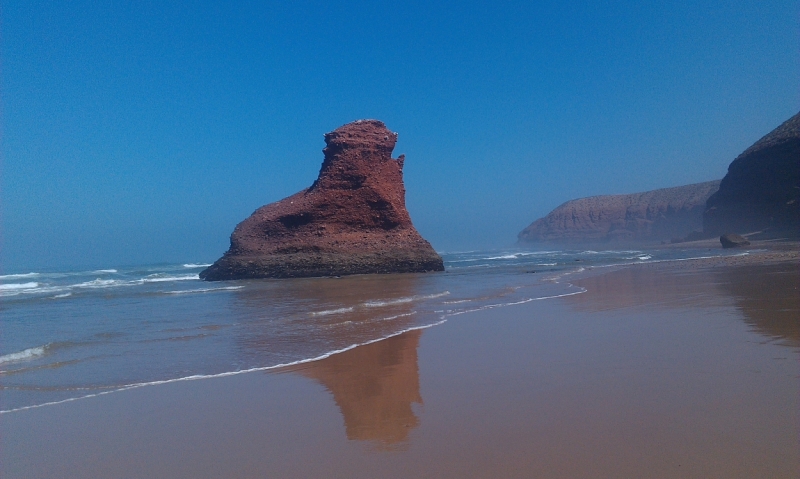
point(374, 387)
point(304, 318)
point(635, 286)
point(768, 296)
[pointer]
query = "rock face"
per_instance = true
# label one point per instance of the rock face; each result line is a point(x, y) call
point(653, 215)
point(762, 188)
point(732, 240)
point(352, 220)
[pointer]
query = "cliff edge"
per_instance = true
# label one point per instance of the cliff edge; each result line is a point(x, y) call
point(652, 215)
point(352, 220)
point(761, 190)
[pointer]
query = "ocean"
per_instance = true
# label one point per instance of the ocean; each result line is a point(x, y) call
point(70, 335)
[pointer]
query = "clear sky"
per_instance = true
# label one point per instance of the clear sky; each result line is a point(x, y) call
point(138, 132)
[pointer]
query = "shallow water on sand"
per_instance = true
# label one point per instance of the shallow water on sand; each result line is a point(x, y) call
point(653, 372)
point(75, 334)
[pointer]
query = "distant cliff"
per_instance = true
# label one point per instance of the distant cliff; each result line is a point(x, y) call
point(762, 188)
point(653, 215)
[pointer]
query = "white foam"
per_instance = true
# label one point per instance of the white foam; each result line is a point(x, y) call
point(152, 279)
point(64, 295)
point(505, 256)
point(14, 289)
point(471, 266)
point(197, 377)
point(197, 265)
point(23, 355)
point(513, 303)
point(333, 311)
point(379, 304)
point(101, 271)
point(407, 299)
point(16, 286)
point(404, 315)
point(546, 264)
point(556, 277)
point(465, 260)
point(502, 256)
point(664, 261)
point(110, 283)
point(18, 275)
point(521, 255)
point(38, 288)
point(204, 290)
point(100, 283)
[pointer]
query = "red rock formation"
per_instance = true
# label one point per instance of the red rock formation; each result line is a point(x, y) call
point(352, 220)
point(653, 215)
point(762, 188)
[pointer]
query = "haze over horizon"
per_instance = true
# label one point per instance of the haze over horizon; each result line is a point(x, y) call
point(140, 132)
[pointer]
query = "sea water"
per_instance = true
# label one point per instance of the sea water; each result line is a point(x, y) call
point(76, 334)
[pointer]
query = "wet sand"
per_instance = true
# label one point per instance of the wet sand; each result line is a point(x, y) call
point(686, 370)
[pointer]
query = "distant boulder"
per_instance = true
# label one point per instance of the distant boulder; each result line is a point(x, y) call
point(732, 240)
point(762, 188)
point(655, 215)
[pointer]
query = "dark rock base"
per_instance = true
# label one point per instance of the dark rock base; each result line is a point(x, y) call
point(306, 265)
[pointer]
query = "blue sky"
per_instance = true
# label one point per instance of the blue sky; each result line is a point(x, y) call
point(139, 132)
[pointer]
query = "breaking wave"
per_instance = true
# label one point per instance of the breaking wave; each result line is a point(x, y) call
point(59, 284)
point(333, 311)
point(161, 279)
point(204, 290)
point(14, 286)
point(407, 299)
point(196, 377)
point(19, 275)
point(23, 355)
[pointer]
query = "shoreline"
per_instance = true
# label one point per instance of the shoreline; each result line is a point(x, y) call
point(760, 252)
point(478, 375)
point(768, 252)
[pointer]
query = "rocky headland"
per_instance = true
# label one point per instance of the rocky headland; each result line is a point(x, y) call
point(662, 214)
point(761, 190)
point(352, 220)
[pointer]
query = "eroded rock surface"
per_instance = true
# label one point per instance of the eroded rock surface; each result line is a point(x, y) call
point(352, 220)
point(762, 188)
point(653, 215)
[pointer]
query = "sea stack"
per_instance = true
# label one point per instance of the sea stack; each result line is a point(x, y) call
point(762, 188)
point(352, 220)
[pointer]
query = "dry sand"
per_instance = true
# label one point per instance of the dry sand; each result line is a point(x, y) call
point(685, 369)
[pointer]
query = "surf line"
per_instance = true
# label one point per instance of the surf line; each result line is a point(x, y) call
point(197, 377)
point(523, 301)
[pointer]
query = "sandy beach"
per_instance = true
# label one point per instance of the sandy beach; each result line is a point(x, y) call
point(400, 240)
point(673, 369)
